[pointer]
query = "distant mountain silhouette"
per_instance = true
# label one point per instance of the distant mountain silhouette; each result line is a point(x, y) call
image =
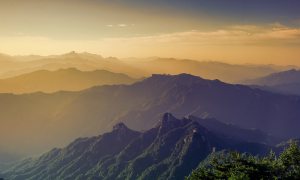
point(208, 69)
point(133, 59)
point(88, 56)
point(31, 57)
point(71, 54)
point(4, 57)
point(63, 79)
point(273, 79)
point(60, 117)
point(74, 60)
point(273, 66)
point(49, 67)
point(137, 67)
point(169, 150)
point(286, 82)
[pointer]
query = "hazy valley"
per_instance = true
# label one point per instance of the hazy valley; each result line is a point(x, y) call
point(123, 114)
point(169, 150)
point(146, 90)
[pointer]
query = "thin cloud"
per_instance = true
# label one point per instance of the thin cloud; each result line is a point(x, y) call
point(277, 24)
point(246, 28)
point(158, 42)
point(109, 25)
point(122, 25)
point(267, 36)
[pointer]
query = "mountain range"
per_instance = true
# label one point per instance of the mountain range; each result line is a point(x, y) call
point(167, 151)
point(278, 78)
point(285, 82)
point(11, 66)
point(60, 117)
point(63, 79)
point(230, 73)
point(72, 54)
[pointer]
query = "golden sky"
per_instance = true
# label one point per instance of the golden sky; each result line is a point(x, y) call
point(230, 31)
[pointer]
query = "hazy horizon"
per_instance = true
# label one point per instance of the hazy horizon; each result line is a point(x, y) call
point(141, 58)
point(140, 89)
point(234, 32)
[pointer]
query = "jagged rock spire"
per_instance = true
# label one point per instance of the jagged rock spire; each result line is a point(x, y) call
point(168, 122)
point(119, 126)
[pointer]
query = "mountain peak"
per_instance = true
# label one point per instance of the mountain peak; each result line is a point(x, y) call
point(168, 122)
point(70, 54)
point(123, 132)
point(120, 126)
point(292, 70)
point(165, 119)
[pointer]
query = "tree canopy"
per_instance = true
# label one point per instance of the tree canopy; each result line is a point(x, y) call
point(238, 167)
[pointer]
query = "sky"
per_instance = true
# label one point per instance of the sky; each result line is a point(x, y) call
point(233, 31)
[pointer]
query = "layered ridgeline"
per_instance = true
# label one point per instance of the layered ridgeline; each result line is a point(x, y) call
point(5, 58)
point(225, 72)
point(63, 79)
point(33, 123)
point(287, 82)
point(11, 66)
point(169, 150)
point(18, 65)
point(273, 79)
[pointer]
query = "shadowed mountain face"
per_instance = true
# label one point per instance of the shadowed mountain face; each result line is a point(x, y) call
point(169, 150)
point(61, 117)
point(185, 95)
point(63, 79)
point(232, 133)
point(287, 89)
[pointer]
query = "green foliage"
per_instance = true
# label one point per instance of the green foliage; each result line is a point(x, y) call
point(290, 161)
point(286, 167)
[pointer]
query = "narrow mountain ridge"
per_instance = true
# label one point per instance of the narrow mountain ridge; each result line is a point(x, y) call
point(168, 151)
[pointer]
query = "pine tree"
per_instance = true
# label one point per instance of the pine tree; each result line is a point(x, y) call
point(286, 167)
